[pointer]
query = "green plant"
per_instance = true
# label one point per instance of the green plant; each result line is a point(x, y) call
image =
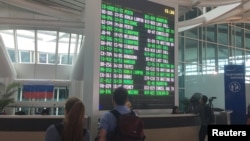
point(6, 93)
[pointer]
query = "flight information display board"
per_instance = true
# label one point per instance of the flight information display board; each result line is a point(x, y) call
point(137, 46)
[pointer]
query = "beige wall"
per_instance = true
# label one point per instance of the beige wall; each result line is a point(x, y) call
point(173, 134)
point(22, 136)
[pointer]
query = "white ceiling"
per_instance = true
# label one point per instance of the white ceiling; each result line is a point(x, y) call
point(71, 12)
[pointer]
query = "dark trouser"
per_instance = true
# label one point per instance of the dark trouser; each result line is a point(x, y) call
point(202, 132)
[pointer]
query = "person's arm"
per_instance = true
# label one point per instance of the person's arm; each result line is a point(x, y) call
point(197, 109)
point(102, 134)
point(104, 125)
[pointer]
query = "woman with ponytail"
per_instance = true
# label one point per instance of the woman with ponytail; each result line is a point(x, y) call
point(71, 129)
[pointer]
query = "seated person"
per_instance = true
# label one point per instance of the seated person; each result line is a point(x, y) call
point(175, 110)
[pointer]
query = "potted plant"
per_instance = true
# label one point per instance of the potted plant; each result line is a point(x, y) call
point(6, 93)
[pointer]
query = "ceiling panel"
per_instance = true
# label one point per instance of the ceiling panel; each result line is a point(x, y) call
point(77, 5)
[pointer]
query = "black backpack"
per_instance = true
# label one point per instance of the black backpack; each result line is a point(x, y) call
point(209, 112)
point(129, 127)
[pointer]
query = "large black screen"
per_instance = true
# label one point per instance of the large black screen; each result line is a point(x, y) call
point(137, 45)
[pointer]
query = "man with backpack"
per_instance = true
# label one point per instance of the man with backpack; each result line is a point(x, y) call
point(121, 123)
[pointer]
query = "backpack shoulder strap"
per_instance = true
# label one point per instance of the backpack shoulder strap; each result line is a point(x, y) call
point(115, 113)
point(132, 113)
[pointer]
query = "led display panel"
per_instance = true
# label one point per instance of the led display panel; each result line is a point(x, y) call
point(137, 47)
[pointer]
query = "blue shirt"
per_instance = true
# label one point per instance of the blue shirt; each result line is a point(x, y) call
point(53, 135)
point(108, 120)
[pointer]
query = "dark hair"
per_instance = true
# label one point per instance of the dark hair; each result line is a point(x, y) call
point(74, 120)
point(204, 99)
point(120, 96)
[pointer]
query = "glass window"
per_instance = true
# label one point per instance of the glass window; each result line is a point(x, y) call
point(191, 51)
point(181, 49)
point(181, 74)
point(63, 47)
point(211, 70)
point(26, 41)
point(8, 38)
point(211, 51)
point(73, 43)
point(46, 42)
point(52, 58)
point(12, 56)
point(211, 33)
point(25, 56)
point(73, 47)
point(192, 33)
point(70, 59)
point(192, 13)
point(61, 93)
point(239, 56)
point(247, 64)
point(203, 32)
point(64, 58)
point(231, 35)
point(247, 26)
point(210, 57)
point(223, 56)
point(247, 39)
point(241, 25)
point(42, 57)
point(181, 99)
point(58, 111)
point(191, 69)
point(239, 36)
point(223, 34)
point(181, 18)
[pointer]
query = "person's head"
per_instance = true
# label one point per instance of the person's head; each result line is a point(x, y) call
point(74, 108)
point(120, 96)
point(203, 99)
point(175, 110)
point(74, 119)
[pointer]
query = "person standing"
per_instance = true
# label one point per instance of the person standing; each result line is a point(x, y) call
point(201, 110)
point(71, 129)
point(108, 120)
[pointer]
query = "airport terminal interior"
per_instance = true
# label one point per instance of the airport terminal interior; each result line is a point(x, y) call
point(48, 42)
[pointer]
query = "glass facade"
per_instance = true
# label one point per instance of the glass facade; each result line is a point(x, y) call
point(206, 49)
